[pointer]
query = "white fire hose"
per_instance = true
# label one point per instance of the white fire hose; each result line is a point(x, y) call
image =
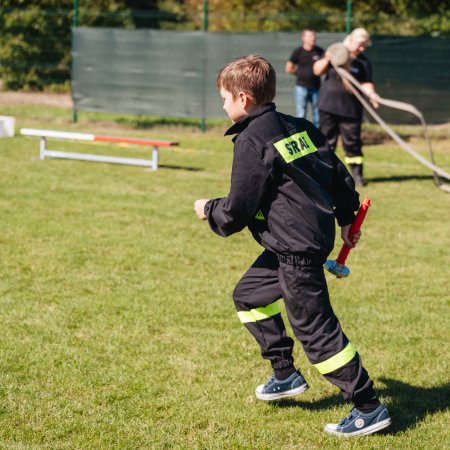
point(340, 56)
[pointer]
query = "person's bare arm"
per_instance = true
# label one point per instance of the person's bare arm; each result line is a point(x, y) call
point(369, 89)
point(290, 68)
point(322, 65)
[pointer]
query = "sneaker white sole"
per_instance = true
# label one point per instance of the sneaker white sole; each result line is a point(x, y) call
point(368, 430)
point(276, 396)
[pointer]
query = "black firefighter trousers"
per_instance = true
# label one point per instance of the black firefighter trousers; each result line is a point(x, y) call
point(300, 281)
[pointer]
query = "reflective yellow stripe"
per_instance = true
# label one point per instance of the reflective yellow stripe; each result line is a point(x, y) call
point(259, 313)
point(336, 361)
point(353, 160)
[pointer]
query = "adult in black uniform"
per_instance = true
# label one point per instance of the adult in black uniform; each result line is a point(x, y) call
point(307, 85)
point(340, 111)
point(288, 187)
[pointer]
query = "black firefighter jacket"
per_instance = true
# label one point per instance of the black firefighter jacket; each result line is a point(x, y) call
point(287, 186)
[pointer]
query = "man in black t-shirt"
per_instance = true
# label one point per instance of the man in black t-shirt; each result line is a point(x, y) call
point(307, 84)
point(340, 111)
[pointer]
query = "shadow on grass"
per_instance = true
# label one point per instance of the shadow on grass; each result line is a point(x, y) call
point(151, 122)
point(171, 167)
point(145, 123)
point(328, 402)
point(399, 178)
point(408, 404)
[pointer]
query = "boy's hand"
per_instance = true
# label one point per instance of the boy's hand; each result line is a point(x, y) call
point(344, 235)
point(199, 207)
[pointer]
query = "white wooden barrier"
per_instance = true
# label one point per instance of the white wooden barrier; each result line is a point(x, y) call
point(46, 153)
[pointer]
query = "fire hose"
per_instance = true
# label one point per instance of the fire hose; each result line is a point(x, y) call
point(340, 56)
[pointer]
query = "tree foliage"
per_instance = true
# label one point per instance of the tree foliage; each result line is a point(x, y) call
point(35, 36)
point(258, 15)
point(403, 17)
point(398, 17)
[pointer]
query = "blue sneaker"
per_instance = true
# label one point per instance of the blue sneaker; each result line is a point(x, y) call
point(359, 424)
point(275, 389)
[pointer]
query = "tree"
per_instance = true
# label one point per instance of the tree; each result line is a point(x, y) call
point(404, 17)
point(259, 15)
point(36, 38)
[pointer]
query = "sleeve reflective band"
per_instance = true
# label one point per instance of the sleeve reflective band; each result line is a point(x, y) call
point(336, 361)
point(259, 313)
point(353, 160)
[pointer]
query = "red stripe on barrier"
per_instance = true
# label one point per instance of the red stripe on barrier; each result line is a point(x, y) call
point(135, 141)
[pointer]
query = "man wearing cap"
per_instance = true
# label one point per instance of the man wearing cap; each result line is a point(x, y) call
point(340, 111)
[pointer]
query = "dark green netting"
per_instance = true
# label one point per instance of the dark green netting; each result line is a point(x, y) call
point(173, 73)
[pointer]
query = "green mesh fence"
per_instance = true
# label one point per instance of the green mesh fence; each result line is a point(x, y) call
point(414, 70)
point(172, 73)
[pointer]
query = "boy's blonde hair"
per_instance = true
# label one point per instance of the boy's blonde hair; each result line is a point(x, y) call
point(251, 74)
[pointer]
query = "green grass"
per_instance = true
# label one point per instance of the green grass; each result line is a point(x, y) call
point(117, 324)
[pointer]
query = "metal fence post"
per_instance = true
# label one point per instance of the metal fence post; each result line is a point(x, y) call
point(348, 19)
point(75, 24)
point(205, 15)
point(205, 28)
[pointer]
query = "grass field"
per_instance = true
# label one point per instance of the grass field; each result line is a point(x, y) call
point(117, 325)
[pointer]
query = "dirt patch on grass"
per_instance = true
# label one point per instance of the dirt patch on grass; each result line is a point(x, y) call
point(36, 98)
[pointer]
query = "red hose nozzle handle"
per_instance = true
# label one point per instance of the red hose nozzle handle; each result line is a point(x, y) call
point(355, 227)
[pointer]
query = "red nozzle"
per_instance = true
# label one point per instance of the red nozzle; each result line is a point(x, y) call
point(356, 226)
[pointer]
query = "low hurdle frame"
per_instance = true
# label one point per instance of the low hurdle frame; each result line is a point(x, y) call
point(46, 153)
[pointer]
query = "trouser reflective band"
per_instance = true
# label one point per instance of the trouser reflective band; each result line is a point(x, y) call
point(353, 160)
point(336, 361)
point(259, 313)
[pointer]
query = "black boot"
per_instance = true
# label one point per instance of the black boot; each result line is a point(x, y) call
point(357, 174)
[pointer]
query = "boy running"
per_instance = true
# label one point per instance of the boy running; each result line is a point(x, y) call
point(288, 188)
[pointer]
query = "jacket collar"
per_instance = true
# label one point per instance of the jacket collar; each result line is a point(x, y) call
point(242, 124)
